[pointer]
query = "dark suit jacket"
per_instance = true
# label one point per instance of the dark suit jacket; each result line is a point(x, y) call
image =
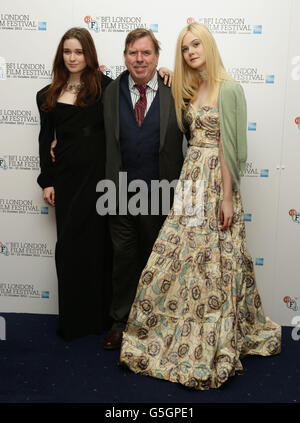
point(170, 152)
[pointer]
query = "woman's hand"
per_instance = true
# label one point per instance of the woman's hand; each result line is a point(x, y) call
point(226, 214)
point(167, 75)
point(49, 196)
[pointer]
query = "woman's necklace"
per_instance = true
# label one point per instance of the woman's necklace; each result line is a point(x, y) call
point(74, 88)
point(204, 75)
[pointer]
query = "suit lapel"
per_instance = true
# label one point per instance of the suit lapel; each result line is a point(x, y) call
point(164, 106)
point(116, 106)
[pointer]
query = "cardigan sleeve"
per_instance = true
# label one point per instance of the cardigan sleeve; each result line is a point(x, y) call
point(233, 125)
point(46, 136)
point(241, 127)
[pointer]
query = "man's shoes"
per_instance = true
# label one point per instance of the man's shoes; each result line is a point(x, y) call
point(113, 340)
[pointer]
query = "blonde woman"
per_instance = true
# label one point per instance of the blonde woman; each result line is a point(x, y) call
point(197, 310)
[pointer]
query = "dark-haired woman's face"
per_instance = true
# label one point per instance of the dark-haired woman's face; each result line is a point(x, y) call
point(73, 56)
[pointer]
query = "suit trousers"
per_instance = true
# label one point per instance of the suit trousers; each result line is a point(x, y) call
point(133, 238)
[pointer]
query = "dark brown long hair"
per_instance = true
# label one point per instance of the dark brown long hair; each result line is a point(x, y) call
point(91, 75)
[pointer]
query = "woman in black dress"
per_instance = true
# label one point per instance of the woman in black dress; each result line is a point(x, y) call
point(71, 112)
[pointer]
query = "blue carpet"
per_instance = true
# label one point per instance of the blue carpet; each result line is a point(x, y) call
point(38, 367)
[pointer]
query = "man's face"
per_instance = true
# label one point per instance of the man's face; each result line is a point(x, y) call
point(141, 60)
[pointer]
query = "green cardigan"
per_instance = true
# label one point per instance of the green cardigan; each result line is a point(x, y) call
point(233, 128)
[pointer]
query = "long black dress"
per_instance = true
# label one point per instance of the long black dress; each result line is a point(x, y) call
point(83, 253)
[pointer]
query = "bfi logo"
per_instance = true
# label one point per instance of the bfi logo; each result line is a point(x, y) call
point(296, 330)
point(2, 329)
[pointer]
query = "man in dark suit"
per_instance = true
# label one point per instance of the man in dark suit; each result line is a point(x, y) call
point(144, 143)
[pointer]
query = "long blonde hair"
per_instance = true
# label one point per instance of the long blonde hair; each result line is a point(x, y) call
point(187, 80)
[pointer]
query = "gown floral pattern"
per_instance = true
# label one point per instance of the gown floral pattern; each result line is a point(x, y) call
point(197, 310)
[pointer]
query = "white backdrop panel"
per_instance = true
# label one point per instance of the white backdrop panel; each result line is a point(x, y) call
point(258, 44)
point(286, 283)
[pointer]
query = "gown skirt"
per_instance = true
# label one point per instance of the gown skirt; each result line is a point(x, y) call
point(197, 309)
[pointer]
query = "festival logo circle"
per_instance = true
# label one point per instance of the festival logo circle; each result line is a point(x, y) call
point(294, 215)
point(291, 303)
point(190, 20)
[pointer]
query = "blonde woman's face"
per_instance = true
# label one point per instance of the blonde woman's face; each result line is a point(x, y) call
point(193, 52)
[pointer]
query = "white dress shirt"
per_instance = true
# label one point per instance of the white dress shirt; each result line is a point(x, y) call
point(151, 90)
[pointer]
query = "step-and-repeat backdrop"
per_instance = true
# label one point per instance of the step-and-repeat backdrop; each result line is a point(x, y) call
point(259, 44)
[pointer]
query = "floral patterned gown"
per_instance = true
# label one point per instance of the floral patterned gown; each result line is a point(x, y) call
point(197, 309)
